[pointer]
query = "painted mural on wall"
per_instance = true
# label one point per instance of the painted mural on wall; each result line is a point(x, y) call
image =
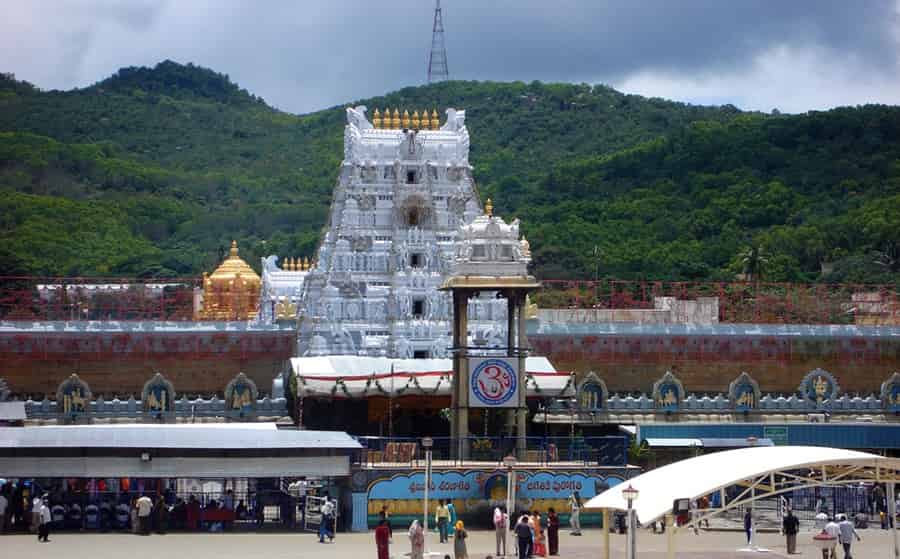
point(890, 394)
point(668, 393)
point(158, 395)
point(743, 392)
point(475, 489)
point(73, 399)
point(819, 386)
point(240, 396)
point(592, 393)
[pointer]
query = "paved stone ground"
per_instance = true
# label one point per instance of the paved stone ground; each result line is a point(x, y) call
point(708, 545)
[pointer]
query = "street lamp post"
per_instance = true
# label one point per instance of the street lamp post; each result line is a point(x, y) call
point(510, 463)
point(631, 494)
point(427, 443)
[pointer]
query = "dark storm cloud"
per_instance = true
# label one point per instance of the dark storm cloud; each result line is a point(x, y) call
point(305, 55)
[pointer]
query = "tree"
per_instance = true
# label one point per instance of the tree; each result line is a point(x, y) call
point(753, 263)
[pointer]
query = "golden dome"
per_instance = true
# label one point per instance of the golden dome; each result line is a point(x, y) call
point(231, 292)
point(234, 266)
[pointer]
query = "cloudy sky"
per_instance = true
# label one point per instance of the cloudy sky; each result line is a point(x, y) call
point(304, 55)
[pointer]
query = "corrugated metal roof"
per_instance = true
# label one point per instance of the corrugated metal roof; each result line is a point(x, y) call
point(840, 435)
point(219, 436)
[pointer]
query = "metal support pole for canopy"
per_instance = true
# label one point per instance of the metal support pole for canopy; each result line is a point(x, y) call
point(892, 516)
point(669, 521)
point(606, 516)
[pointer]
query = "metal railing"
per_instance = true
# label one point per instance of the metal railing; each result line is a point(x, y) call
point(122, 299)
point(601, 451)
point(737, 302)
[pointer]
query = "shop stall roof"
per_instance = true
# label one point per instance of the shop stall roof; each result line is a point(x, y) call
point(219, 436)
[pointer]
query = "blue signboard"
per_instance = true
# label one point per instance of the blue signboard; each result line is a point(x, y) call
point(491, 486)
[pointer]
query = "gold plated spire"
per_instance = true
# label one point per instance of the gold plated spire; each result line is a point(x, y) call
point(386, 119)
point(231, 292)
point(489, 208)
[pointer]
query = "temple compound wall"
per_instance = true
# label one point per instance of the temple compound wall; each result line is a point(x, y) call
point(202, 359)
point(631, 357)
point(199, 358)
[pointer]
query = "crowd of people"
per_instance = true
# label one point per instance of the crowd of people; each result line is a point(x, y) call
point(29, 508)
point(535, 535)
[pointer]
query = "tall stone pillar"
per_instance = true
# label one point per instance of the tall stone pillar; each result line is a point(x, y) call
point(521, 351)
point(459, 424)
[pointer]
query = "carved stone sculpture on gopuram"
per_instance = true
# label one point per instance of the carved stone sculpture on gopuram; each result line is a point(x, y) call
point(404, 191)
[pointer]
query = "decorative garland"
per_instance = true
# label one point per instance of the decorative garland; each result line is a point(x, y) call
point(339, 383)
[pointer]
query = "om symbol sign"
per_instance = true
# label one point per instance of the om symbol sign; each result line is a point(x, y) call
point(493, 382)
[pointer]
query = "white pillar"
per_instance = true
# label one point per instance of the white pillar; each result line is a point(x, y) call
point(632, 532)
point(427, 484)
point(509, 509)
point(669, 524)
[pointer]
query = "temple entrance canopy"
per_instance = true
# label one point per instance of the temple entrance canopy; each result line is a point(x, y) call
point(757, 472)
point(490, 258)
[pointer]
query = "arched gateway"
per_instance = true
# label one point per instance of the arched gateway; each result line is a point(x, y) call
point(760, 472)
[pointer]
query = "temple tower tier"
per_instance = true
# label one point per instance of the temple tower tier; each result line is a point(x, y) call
point(404, 191)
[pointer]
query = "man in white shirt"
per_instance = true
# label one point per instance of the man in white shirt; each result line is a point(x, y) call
point(326, 524)
point(44, 520)
point(847, 533)
point(833, 530)
point(575, 515)
point(144, 508)
point(35, 514)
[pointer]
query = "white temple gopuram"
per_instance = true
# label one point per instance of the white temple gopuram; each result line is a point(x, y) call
point(404, 192)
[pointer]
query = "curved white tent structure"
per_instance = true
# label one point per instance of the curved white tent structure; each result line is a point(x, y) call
point(761, 471)
point(694, 477)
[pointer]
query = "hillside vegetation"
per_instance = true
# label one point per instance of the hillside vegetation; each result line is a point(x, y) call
point(152, 172)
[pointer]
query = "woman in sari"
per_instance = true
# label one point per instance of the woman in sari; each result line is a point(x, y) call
point(382, 539)
point(553, 531)
point(540, 544)
point(459, 541)
point(416, 540)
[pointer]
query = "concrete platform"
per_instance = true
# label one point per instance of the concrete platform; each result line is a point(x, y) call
point(708, 545)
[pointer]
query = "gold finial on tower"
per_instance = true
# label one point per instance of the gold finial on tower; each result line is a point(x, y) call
point(289, 264)
point(376, 119)
point(416, 123)
point(489, 208)
point(395, 120)
point(405, 120)
point(435, 121)
point(306, 263)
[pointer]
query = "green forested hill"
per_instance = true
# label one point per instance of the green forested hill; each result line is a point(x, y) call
point(151, 172)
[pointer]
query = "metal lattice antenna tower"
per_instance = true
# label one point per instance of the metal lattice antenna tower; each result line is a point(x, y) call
point(437, 59)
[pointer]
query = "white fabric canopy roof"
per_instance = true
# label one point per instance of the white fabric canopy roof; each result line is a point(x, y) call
point(374, 376)
point(694, 477)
